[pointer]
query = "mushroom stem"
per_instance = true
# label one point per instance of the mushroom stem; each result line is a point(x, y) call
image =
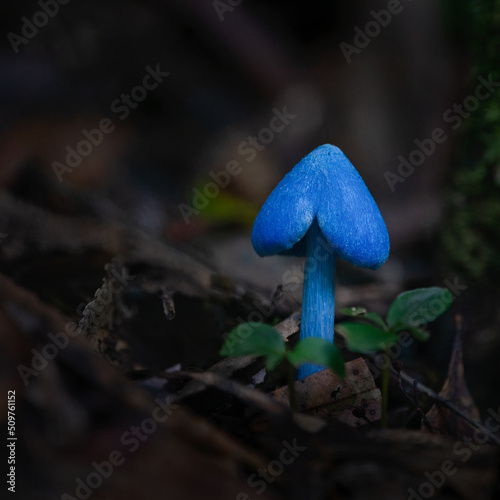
point(318, 298)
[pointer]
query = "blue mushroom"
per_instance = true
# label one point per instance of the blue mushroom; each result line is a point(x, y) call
point(322, 210)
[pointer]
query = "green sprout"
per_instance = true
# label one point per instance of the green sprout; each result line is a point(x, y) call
point(409, 312)
point(368, 333)
point(259, 339)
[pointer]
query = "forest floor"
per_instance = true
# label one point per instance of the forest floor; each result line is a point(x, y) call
point(110, 340)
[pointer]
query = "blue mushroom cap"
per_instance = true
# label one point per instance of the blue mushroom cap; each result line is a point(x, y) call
point(323, 185)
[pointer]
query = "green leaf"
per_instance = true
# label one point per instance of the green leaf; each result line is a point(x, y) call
point(418, 307)
point(272, 359)
point(227, 208)
point(317, 351)
point(353, 311)
point(417, 333)
point(362, 338)
point(257, 339)
point(376, 319)
point(362, 313)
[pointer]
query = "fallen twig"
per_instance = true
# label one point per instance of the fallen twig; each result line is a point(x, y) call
point(443, 402)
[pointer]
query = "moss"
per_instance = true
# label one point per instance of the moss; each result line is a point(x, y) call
point(471, 238)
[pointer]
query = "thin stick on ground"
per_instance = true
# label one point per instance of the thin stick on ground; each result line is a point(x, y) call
point(443, 402)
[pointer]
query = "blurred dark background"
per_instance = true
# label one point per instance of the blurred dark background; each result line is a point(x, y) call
point(232, 67)
point(229, 67)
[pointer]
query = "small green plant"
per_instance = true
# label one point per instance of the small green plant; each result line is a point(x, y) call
point(259, 339)
point(409, 312)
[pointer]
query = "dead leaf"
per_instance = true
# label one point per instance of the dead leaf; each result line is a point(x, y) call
point(454, 390)
point(326, 395)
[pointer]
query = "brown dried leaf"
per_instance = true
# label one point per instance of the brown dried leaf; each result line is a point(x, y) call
point(454, 390)
point(326, 395)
